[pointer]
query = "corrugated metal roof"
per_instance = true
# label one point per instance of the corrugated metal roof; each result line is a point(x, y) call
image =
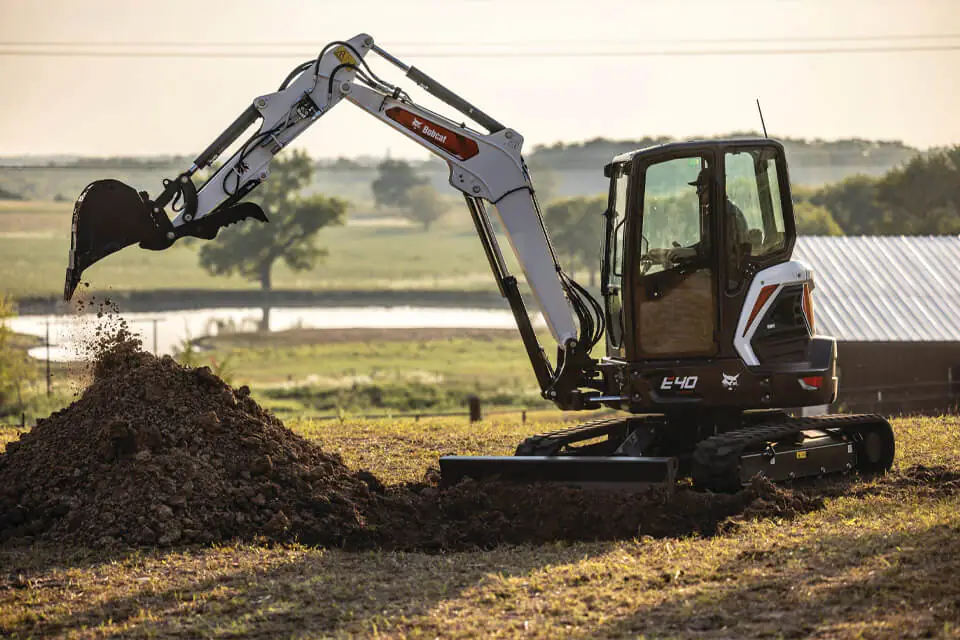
point(885, 288)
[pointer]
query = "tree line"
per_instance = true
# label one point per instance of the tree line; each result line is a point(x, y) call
point(919, 197)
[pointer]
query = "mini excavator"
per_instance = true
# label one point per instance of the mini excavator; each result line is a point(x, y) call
point(708, 324)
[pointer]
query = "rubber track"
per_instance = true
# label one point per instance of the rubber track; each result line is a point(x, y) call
point(555, 439)
point(716, 460)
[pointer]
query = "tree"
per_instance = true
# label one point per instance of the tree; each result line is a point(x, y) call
point(576, 229)
point(9, 195)
point(546, 181)
point(923, 196)
point(852, 203)
point(251, 249)
point(425, 205)
point(394, 180)
point(813, 220)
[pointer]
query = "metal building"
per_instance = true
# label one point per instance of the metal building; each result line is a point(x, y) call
point(893, 303)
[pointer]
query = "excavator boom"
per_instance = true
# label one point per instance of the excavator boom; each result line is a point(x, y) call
point(487, 168)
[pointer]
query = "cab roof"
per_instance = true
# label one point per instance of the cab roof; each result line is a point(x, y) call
point(695, 145)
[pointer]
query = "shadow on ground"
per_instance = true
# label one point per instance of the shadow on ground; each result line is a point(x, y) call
point(262, 590)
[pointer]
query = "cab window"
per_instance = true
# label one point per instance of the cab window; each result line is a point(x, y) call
point(619, 224)
point(753, 210)
point(675, 229)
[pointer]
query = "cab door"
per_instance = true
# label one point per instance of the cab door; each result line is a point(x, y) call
point(673, 277)
point(611, 276)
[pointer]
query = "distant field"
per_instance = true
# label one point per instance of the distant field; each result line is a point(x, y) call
point(34, 243)
point(356, 372)
point(363, 371)
point(462, 353)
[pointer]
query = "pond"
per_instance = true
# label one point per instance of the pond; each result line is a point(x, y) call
point(165, 332)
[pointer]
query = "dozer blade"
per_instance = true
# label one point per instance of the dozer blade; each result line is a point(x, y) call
point(626, 472)
point(108, 216)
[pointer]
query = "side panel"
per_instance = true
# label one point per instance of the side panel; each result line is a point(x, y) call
point(779, 276)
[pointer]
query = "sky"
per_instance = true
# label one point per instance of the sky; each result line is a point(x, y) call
point(544, 68)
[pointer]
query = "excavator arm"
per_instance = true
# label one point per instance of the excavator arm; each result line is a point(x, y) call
point(485, 167)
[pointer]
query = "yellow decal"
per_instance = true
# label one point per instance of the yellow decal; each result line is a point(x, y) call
point(801, 455)
point(344, 56)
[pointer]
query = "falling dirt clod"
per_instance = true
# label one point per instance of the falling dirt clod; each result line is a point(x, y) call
point(155, 453)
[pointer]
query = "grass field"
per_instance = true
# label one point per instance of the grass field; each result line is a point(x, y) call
point(879, 560)
point(351, 371)
point(67, 183)
point(378, 371)
point(35, 241)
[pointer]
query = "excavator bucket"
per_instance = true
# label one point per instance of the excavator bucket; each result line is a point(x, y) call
point(108, 216)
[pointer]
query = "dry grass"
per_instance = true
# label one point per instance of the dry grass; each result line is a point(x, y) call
point(880, 560)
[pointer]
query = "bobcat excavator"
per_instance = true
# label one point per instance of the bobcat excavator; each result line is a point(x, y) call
point(708, 324)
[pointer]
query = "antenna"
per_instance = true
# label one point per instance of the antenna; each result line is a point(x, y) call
point(762, 124)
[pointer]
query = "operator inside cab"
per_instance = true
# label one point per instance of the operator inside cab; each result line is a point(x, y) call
point(735, 226)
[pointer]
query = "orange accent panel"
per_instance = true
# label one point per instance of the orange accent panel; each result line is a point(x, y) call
point(808, 307)
point(765, 294)
point(452, 142)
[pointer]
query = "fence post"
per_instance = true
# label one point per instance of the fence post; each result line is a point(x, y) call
point(48, 356)
point(523, 417)
point(475, 414)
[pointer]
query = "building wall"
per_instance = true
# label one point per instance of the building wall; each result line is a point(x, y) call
point(899, 377)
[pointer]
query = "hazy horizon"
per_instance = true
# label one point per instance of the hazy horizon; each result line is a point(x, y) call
point(110, 78)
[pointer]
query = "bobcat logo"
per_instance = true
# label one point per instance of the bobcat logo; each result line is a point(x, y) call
point(730, 382)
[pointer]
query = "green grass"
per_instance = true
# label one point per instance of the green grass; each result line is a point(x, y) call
point(499, 357)
point(328, 371)
point(32, 400)
point(331, 372)
point(35, 241)
point(879, 560)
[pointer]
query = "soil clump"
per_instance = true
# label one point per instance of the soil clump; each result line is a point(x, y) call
point(155, 453)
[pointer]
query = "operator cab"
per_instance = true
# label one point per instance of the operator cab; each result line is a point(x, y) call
point(687, 227)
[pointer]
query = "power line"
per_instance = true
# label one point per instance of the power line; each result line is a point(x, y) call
point(565, 44)
point(496, 54)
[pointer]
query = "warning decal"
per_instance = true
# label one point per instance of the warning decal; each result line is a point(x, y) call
point(344, 56)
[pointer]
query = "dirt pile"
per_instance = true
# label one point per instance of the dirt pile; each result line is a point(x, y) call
point(767, 500)
point(486, 514)
point(154, 453)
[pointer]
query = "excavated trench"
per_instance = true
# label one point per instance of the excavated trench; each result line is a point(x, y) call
point(154, 453)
